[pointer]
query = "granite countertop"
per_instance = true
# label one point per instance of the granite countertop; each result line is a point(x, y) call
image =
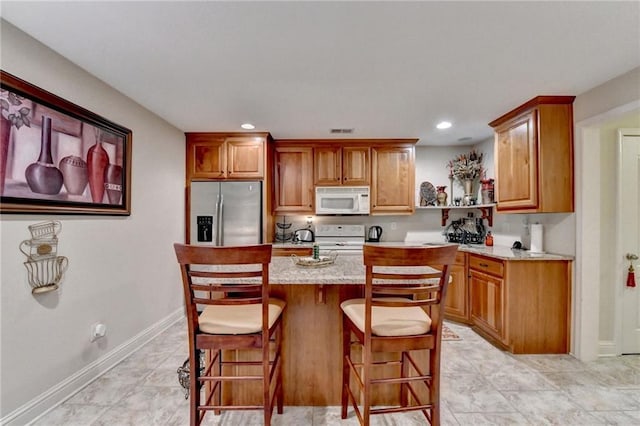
point(499, 252)
point(347, 269)
point(507, 253)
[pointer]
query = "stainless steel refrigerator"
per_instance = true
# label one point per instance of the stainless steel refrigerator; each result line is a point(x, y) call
point(226, 213)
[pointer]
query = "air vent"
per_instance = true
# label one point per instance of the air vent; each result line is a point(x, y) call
point(341, 131)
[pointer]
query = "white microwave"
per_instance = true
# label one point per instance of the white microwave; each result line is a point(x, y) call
point(342, 200)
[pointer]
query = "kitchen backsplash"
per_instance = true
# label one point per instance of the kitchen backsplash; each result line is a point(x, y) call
point(559, 228)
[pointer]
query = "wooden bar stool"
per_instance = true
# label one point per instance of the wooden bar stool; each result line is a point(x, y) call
point(410, 284)
point(231, 284)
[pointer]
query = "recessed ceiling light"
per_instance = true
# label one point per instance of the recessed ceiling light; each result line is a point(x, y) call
point(248, 126)
point(443, 125)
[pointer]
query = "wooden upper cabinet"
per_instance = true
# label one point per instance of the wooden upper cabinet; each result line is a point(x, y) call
point(341, 165)
point(327, 165)
point(206, 156)
point(393, 179)
point(225, 156)
point(245, 158)
point(356, 165)
point(534, 157)
point(293, 186)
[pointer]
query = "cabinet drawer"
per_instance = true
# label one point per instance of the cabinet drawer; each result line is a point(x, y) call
point(460, 258)
point(489, 266)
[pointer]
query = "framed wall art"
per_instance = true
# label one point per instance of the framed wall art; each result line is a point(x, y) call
point(58, 157)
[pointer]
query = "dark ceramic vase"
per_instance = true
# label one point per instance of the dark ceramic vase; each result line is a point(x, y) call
point(43, 177)
point(113, 183)
point(97, 161)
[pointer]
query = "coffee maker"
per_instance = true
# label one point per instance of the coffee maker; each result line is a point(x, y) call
point(374, 234)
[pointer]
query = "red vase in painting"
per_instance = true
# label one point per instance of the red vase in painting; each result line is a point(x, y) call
point(97, 161)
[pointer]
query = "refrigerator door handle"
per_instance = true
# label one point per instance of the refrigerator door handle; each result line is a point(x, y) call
point(218, 221)
point(221, 221)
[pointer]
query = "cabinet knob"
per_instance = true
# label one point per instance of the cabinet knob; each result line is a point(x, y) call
point(484, 265)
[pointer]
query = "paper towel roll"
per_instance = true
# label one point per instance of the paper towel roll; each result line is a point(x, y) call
point(536, 238)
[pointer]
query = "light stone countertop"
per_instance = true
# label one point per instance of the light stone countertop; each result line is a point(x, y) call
point(349, 268)
point(498, 252)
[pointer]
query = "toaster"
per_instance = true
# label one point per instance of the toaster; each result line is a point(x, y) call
point(303, 236)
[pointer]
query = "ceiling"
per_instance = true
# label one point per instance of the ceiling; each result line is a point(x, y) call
point(299, 69)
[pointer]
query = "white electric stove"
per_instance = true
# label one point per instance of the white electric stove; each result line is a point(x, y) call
point(341, 238)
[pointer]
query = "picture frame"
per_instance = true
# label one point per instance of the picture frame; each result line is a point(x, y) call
point(57, 157)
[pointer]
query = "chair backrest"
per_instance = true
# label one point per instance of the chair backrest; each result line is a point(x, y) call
point(230, 275)
point(417, 275)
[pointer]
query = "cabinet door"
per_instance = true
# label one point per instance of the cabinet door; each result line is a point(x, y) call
point(327, 165)
point(356, 166)
point(487, 300)
point(393, 177)
point(206, 157)
point(293, 180)
point(517, 164)
point(245, 158)
point(456, 306)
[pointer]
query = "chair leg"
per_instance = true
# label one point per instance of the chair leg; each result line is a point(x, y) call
point(366, 379)
point(218, 397)
point(194, 387)
point(346, 352)
point(279, 386)
point(266, 384)
point(434, 389)
point(404, 387)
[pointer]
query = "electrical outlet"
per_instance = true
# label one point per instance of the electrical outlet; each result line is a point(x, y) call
point(97, 331)
point(394, 226)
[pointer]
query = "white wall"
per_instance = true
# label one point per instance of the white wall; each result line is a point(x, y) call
point(122, 270)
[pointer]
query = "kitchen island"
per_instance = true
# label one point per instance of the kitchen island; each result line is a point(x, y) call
point(533, 284)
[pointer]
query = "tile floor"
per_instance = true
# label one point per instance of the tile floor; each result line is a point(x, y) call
point(481, 385)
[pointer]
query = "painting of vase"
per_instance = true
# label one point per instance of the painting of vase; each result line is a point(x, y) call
point(58, 157)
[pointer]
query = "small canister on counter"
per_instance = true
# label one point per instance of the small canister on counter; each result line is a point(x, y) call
point(316, 251)
point(489, 240)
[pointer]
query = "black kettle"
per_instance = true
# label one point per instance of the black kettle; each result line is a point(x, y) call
point(374, 234)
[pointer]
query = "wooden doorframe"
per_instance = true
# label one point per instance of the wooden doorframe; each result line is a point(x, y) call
point(620, 275)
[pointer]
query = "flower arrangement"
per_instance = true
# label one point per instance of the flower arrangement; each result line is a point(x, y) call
point(466, 166)
point(12, 109)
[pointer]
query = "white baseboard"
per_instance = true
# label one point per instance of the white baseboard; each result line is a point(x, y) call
point(59, 393)
point(606, 348)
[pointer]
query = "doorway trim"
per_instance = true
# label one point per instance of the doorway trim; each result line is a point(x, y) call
point(620, 271)
point(586, 345)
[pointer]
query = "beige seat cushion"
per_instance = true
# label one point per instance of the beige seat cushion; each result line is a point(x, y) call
point(238, 319)
point(386, 321)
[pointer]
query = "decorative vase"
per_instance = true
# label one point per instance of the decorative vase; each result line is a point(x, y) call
point(113, 183)
point(487, 191)
point(467, 184)
point(5, 133)
point(97, 161)
point(441, 196)
point(43, 177)
point(75, 173)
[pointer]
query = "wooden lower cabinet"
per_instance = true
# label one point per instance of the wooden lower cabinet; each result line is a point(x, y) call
point(486, 303)
point(521, 305)
point(456, 305)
